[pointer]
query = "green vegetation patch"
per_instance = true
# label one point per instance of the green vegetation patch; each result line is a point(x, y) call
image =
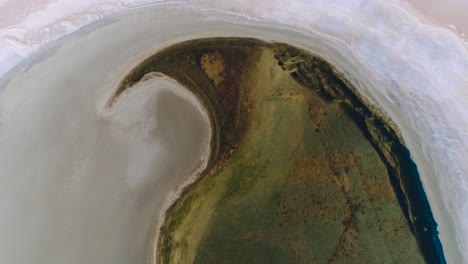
point(302, 170)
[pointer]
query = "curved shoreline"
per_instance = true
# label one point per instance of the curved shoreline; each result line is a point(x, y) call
point(429, 152)
point(33, 40)
point(435, 196)
point(403, 172)
point(200, 170)
point(387, 141)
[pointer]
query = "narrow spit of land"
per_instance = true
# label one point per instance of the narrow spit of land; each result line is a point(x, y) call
point(301, 171)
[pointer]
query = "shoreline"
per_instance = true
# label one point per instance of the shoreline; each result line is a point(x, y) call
point(429, 179)
point(404, 175)
point(174, 195)
point(374, 123)
point(88, 16)
point(215, 148)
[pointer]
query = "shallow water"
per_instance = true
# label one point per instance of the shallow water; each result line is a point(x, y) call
point(82, 184)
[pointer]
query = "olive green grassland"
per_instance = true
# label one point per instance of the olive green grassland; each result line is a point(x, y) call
point(302, 170)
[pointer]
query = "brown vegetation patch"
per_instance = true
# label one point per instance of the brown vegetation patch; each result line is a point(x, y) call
point(213, 65)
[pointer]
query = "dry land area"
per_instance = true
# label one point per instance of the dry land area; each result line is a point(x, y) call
point(301, 170)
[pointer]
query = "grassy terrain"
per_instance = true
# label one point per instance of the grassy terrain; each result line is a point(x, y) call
point(300, 173)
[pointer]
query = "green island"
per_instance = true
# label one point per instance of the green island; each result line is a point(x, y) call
point(302, 169)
